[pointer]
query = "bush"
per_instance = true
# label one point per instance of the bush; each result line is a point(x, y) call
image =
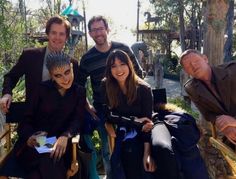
point(178, 101)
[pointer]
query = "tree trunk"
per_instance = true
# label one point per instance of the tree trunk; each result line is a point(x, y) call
point(215, 24)
point(229, 32)
point(181, 24)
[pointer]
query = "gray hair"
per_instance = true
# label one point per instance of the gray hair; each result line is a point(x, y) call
point(57, 59)
point(186, 52)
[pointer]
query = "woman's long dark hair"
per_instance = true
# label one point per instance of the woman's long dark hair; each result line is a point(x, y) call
point(112, 86)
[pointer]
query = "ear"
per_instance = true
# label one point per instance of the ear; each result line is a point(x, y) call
point(108, 30)
point(51, 77)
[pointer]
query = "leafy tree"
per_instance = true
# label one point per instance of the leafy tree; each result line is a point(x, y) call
point(182, 16)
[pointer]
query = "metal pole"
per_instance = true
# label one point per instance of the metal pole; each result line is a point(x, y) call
point(138, 7)
point(25, 19)
point(85, 27)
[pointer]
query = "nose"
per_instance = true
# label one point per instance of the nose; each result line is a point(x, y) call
point(119, 68)
point(66, 78)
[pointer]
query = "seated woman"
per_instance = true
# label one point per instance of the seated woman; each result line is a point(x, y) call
point(129, 105)
point(57, 110)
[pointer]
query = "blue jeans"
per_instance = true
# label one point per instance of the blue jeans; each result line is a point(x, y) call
point(93, 174)
point(105, 147)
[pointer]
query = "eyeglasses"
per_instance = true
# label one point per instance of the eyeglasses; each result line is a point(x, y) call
point(95, 30)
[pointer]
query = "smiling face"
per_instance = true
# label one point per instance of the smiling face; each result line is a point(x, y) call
point(63, 76)
point(197, 66)
point(57, 37)
point(120, 71)
point(98, 32)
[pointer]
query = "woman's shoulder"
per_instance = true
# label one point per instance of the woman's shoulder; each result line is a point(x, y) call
point(143, 85)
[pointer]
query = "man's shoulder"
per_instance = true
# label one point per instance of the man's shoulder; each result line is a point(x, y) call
point(190, 83)
point(34, 50)
point(119, 45)
point(89, 54)
point(226, 65)
point(225, 69)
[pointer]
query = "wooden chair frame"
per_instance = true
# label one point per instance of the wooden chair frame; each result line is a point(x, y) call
point(228, 153)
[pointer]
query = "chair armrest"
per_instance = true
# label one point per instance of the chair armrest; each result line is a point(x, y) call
point(228, 153)
point(111, 136)
point(75, 139)
point(74, 167)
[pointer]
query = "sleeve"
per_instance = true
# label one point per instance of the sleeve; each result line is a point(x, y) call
point(77, 119)
point(147, 106)
point(147, 101)
point(203, 108)
point(207, 114)
point(82, 73)
point(123, 121)
point(26, 127)
point(13, 76)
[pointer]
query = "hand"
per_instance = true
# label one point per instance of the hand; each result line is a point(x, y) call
point(230, 133)
point(224, 121)
point(32, 140)
point(59, 148)
point(5, 103)
point(148, 162)
point(148, 124)
point(92, 111)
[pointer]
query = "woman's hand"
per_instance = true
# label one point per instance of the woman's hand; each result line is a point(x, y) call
point(32, 140)
point(148, 162)
point(148, 124)
point(59, 148)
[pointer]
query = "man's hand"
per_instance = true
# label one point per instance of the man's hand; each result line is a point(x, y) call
point(224, 121)
point(59, 148)
point(5, 103)
point(230, 133)
point(227, 125)
point(91, 110)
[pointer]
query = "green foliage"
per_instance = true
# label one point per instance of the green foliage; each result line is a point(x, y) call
point(2, 72)
point(96, 140)
point(89, 91)
point(19, 91)
point(182, 104)
point(234, 46)
point(171, 65)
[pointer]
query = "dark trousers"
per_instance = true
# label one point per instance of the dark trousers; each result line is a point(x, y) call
point(132, 158)
point(127, 158)
point(41, 166)
point(163, 153)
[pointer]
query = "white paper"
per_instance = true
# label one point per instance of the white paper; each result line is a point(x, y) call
point(44, 148)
